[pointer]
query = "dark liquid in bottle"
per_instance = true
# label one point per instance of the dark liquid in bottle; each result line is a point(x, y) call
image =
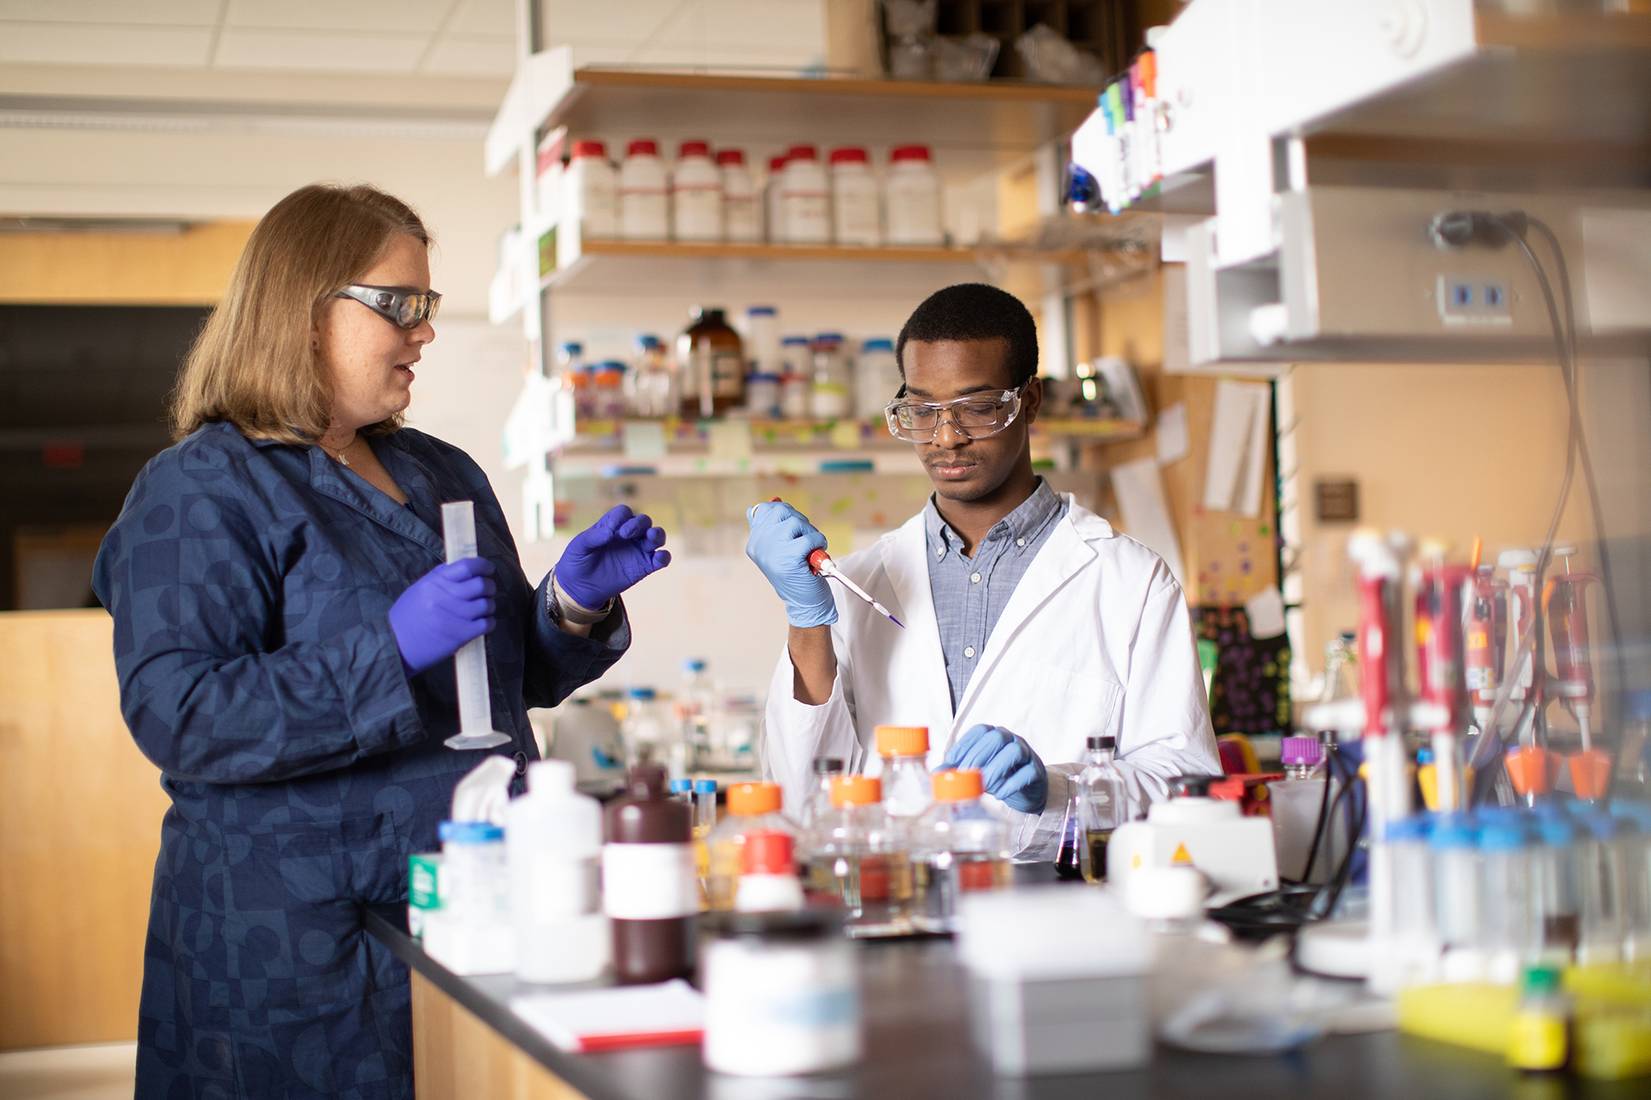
point(1069, 860)
point(1097, 840)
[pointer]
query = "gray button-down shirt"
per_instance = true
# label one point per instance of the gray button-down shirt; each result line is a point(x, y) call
point(971, 593)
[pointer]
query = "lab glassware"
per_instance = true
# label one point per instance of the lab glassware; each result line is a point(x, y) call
point(458, 525)
point(1103, 805)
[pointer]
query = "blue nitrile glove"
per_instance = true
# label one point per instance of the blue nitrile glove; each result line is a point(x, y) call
point(442, 610)
point(1010, 771)
point(780, 541)
point(609, 556)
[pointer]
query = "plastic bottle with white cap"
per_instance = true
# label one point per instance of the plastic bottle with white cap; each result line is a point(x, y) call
point(553, 839)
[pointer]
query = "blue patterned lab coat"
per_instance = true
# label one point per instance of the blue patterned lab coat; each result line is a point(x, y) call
point(250, 583)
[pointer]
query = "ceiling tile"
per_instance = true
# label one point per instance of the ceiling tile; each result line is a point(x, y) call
point(334, 51)
point(484, 17)
point(393, 17)
point(85, 44)
point(455, 55)
point(188, 13)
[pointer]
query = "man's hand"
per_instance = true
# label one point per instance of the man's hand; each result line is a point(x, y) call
point(1010, 771)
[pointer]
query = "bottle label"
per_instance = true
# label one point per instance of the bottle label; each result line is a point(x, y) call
point(698, 213)
point(807, 215)
point(649, 881)
point(724, 370)
point(742, 220)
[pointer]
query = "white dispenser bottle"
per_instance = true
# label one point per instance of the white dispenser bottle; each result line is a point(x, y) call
point(553, 839)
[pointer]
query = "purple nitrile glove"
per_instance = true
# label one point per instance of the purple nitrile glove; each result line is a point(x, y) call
point(609, 556)
point(442, 610)
point(1009, 769)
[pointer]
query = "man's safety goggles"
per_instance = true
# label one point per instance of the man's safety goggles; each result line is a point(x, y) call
point(976, 416)
point(402, 306)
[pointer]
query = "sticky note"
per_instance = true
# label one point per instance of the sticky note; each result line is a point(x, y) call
point(845, 435)
point(644, 440)
point(730, 440)
point(1172, 434)
point(1266, 612)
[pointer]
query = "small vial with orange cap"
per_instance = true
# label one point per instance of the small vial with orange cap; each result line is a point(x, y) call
point(959, 846)
point(856, 857)
point(752, 807)
point(908, 788)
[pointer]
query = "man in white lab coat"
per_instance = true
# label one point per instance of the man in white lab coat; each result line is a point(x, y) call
point(1030, 625)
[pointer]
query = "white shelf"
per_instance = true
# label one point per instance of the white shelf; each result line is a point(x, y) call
point(972, 127)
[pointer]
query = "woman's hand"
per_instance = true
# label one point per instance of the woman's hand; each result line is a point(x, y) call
point(442, 610)
point(610, 556)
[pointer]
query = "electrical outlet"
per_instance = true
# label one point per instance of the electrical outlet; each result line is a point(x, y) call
point(1467, 301)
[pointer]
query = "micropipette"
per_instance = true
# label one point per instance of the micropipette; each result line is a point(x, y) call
point(458, 528)
point(822, 566)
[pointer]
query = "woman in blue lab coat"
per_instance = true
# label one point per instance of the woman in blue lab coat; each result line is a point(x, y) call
point(284, 627)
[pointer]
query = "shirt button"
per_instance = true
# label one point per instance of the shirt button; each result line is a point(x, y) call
point(969, 651)
point(521, 763)
point(974, 578)
point(1020, 542)
point(940, 553)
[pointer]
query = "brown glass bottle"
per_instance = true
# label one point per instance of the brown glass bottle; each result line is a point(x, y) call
point(710, 365)
point(649, 889)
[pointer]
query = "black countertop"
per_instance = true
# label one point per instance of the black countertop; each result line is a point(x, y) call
point(917, 1045)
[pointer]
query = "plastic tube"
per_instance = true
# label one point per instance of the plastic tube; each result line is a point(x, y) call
point(458, 528)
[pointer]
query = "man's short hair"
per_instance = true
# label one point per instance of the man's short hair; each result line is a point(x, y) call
point(975, 311)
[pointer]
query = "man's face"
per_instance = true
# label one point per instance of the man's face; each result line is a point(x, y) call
point(961, 468)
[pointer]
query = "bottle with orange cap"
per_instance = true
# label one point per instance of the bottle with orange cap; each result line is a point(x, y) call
point(908, 788)
point(751, 807)
point(959, 846)
point(857, 857)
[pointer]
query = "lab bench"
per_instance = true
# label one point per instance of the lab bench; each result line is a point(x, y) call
point(468, 1043)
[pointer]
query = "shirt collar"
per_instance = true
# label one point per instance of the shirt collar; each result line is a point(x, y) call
point(1023, 523)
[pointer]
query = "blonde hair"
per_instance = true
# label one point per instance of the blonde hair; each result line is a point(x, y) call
point(253, 364)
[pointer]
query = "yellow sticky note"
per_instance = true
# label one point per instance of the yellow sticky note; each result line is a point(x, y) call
point(644, 440)
point(845, 435)
point(730, 440)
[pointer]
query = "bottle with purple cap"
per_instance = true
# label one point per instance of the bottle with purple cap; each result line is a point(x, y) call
point(1297, 801)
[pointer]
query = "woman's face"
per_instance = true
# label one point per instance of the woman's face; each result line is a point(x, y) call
point(367, 358)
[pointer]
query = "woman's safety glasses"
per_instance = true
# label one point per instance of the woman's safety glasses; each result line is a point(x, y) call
point(976, 416)
point(402, 306)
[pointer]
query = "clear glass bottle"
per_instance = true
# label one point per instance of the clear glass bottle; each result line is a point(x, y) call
point(650, 384)
point(832, 396)
point(751, 807)
point(1103, 805)
point(818, 803)
point(857, 859)
point(908, 789)
point(958, 846)
point(696, 703)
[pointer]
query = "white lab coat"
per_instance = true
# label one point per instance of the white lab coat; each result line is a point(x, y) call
point(1096, 639)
